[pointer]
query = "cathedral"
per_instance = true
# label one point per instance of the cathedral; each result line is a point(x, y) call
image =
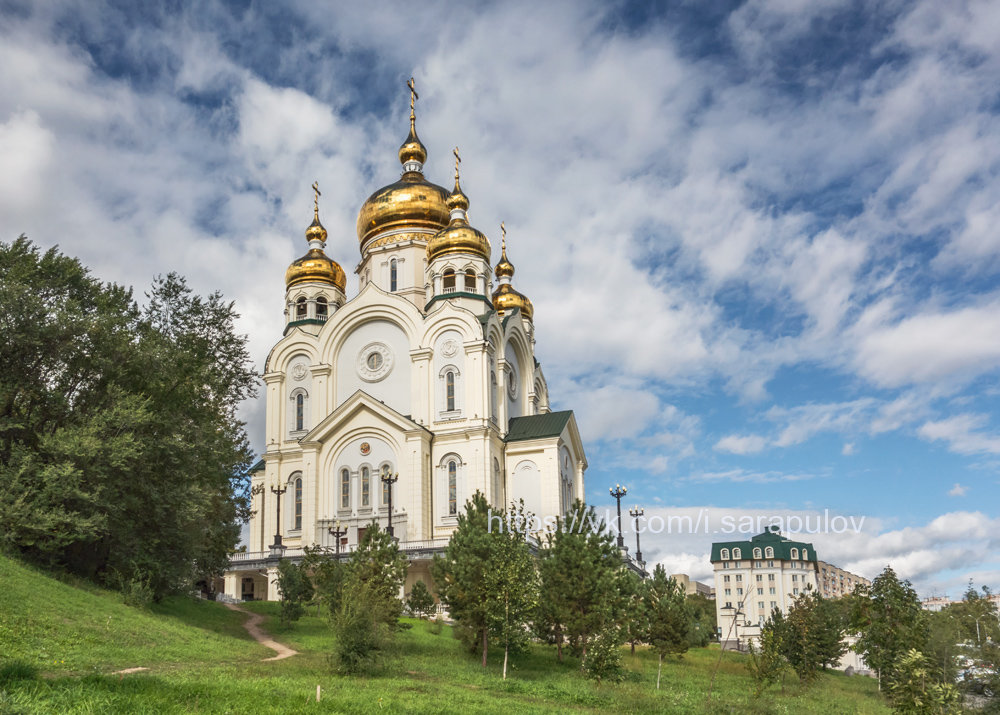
point(396, 405)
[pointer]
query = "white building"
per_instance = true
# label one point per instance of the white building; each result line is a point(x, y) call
point(427, 371)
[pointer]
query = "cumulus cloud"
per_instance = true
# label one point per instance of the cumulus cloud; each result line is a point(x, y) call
point(958, 490)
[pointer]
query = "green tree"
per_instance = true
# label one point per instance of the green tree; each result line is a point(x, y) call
point(766, 661)
point(579, 568)
point(889, 621)
point(703, 619)
point(369, 607)
point(420, 601)
point(914, 689)
point(811, 634)
point(295, 589)
point(110, 414)
point(604, 659)
point(327, 576)
point(635, 623)
point(669, 619)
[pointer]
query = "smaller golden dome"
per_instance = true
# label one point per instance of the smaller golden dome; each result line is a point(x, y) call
point(458, 236)
point(412, 149)
point(315, 267)
point(316, 232)
point(505, 299)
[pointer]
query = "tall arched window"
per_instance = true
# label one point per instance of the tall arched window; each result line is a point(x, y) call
point(737, 554)
point(345, 489)
point(452, 488)
point(795, 553)
point(385, 485)
point(449, 390)
point(300, 308)
point(493, 394)
point(300, 411)
point(724, 554)
point(322, 308)
point(366, 487)
point(756, 553)
point(769, 552)
point(449, 281)
point(393, 276)
point(298, 503)
point(497, 496)
point(470, 281)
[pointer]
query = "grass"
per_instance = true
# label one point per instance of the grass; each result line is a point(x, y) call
point(201, 661)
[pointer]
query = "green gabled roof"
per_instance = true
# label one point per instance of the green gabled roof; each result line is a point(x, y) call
point(537, 426)
point(782, 547)
point(259, 466)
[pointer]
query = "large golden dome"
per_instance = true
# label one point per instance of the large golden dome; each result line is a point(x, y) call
point(458, 236)
point(411, 202)
point(316, 266)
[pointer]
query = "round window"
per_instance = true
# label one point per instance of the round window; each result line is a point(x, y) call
point(374, 362)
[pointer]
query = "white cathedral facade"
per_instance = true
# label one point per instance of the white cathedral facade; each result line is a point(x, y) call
point(428, 372)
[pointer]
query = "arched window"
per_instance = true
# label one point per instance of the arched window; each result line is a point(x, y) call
point(497, 496)
point(298, 503)
point(449, 390)
point(756, 553)
point(345, 489)
point(366, 487)
point(769, 552)
point(452, 488)
point(321, 308)
point(392, 276)
point(449, 281)
point(795, 553)
point(300, 411)
point(385, 485)
point(300, 308)
point(470, 281)
point(724, 554)
point(493, 394)
point(737, 554)
point(805, 555)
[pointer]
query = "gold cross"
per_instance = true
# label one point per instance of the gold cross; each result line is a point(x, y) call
point(316, 196)
point(458, 160)
point(413, 94)
point(503, 239)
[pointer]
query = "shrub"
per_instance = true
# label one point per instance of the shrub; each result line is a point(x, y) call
point(17, 670)
point(604, 658)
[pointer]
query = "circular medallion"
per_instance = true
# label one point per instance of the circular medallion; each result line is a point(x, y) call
point(374, 362)
point(300, 371)
point(512, 384)
point(365, 449)
point(449, 348)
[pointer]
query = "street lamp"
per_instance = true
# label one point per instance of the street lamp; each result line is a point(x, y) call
point(254, 491)
point(278, 491)
point(635, 512)
point(389, 480)
point(337, 533)
point(618, 492)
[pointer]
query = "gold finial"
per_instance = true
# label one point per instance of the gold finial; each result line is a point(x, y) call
point(413, 97)
point(316, 195)
point(458, 160)
point(503, 240)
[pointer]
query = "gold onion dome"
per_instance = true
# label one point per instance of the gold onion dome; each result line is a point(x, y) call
point(458, 236)
point(505, 298)
point(412, 202)
point(316, 266)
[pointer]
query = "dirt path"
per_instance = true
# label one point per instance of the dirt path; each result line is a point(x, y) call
point(252, 625)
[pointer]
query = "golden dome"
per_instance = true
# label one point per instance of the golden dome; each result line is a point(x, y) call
point(458, 236)
point(315, 267)
point(505, 299)
point(412, 149)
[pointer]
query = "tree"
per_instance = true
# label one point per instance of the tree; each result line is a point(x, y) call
point(914, 690)
point(889, 621)
point(766, 663)
point(295, 589)
point(487, 577)
point(669, 620)
point(703, 619)
point(420, 601)
point(635, 624)
point(579, 569)
point(368, 610)
point(109, 414)
point(327, 576)
point(811, 634)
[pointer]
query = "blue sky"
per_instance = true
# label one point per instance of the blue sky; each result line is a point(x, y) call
point(760, 237)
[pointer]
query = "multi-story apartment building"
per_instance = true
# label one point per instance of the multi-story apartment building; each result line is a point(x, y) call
point(835, 582)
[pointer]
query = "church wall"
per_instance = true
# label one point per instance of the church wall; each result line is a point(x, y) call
point(392, 387)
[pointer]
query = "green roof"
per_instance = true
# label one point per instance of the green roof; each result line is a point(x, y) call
point(457, 294)
point(258, 467)
point(537, 426)
point(782, 547)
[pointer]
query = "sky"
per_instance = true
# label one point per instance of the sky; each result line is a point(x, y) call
point(760, 237)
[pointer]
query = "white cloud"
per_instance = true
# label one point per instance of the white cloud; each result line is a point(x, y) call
point(958, 490)
point(962, 434)
point(741, 444)
point(848, 449)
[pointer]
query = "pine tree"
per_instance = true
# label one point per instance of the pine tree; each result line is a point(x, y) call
point(668, 617)
point(295, 589)
point(420, 601)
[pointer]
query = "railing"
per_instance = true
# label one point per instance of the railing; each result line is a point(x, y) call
point(246, 557)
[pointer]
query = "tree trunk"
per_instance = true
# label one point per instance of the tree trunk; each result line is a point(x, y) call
point(506, 647)
point(633, 647)
point(484, 647)
point(658, 669)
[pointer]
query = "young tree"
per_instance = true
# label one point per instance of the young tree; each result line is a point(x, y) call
point(811, 634)
point(295, 589)
point(635, 621)
point(327, 576)
point(420, 601)
point(579, 569)
point(913, 689)
point(889, 621)
point(668, 617)
point(766, 663)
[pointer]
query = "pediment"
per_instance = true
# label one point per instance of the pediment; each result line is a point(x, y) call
point(361, 409)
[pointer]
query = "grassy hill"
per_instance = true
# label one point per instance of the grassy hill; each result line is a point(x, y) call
point(60, 644)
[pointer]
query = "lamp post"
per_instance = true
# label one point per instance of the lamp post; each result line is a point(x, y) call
point(618, 492)
point(254, 491)
point(278, 491)
point(389, 480)
point(337, 533)
point(635, 512)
